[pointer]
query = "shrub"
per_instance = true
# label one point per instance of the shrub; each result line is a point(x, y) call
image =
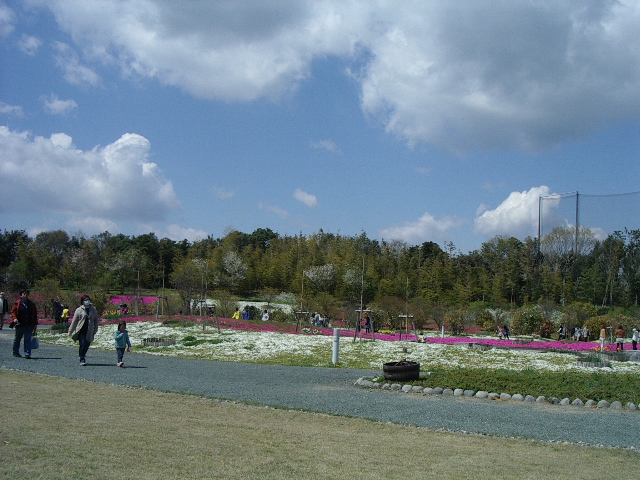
point(527, 320)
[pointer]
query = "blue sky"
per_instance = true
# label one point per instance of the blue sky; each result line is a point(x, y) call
point(413, 121)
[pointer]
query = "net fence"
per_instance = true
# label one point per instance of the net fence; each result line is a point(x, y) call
point(602, 215)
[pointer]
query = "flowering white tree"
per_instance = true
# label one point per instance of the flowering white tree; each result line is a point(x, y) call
point(322, 277)
point(232, 271)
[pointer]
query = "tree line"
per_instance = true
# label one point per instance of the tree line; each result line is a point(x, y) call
point(328, 272)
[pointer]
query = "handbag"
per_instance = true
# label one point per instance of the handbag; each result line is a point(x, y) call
point(35, 343)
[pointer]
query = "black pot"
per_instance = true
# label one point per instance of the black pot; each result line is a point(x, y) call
point(401, 371)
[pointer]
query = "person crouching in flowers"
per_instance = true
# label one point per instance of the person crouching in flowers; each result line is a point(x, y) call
point(122, 342)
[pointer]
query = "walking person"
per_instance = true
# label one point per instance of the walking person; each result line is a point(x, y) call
point(25, 321)
point(265, 316)
point(122, 342)
point(4, 309)
point(507, 332)
point(84, 326)
point(635, 336)
point(619, 339)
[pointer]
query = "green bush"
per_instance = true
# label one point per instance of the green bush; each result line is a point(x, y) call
point(623, 387)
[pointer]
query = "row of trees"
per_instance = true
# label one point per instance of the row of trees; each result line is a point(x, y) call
point(327, 271)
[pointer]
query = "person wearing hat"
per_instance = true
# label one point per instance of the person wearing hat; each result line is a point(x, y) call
point(25, 321)
point(4, 309)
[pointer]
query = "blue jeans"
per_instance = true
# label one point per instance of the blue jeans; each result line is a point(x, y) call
point(120, 354)
point(84, 347)
point(20, 333)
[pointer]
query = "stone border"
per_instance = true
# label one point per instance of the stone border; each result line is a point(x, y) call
point(158, 342)
point(367, 382)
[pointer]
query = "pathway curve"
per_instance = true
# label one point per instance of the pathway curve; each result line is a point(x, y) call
point(331, 390)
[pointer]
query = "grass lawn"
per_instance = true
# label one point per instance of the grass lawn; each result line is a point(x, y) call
point(56, 428)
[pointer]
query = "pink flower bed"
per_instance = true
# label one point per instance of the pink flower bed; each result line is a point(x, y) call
point(130, 299)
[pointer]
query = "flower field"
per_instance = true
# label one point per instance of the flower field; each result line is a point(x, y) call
point(277, 344)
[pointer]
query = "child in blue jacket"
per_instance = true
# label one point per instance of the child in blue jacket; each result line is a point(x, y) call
point(122, 342)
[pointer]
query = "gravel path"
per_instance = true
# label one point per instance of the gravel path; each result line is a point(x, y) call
point(332, 391)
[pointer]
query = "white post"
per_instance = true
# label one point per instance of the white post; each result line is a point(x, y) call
point(336, 346)
point(442, 334)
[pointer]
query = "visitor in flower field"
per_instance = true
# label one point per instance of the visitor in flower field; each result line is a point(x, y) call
point(507, 332)
point(635, 336)
point(84, 326)
point(236, 314)
point(577, 334)
point(367, 324)
point(265, 316)
point(603, 337)
point(585, 333)
point(4, 309)
point(246, 314)
point(619, 339)
point(25, 320)
point(122, 342)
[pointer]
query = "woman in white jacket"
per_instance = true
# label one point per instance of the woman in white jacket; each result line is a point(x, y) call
point(84, 326)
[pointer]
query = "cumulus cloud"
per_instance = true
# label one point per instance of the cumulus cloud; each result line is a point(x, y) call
point(177, 233)
point(308, 199)
point(426, 228)
point(55, 106)
point(462, 76)
point(99, 187)
point(235, 51)
point(517, 216)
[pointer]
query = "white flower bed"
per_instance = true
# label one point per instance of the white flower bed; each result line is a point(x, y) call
point(316, 350)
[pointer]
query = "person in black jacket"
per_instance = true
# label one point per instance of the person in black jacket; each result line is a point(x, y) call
point(4, 309)
point(25, 321)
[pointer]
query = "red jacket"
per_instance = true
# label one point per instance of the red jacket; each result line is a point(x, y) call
point(32, 312)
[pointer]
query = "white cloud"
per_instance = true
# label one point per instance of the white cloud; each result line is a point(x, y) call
point(55, 106)
point(461, 75)
point(29, 45)
point(6, 109)
point(99, 187)
point(265, 207)
point(177, 233)
point(7, 18)
point(223, 193)
point(308, 199)
point(75, 73)
point(517, 216)
point(329, 145)
point(426, 228)
point(235, 51)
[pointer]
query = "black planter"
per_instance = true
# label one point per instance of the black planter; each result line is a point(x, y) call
point(401, 371)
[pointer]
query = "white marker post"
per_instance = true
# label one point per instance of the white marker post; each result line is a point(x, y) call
point(336, 346)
